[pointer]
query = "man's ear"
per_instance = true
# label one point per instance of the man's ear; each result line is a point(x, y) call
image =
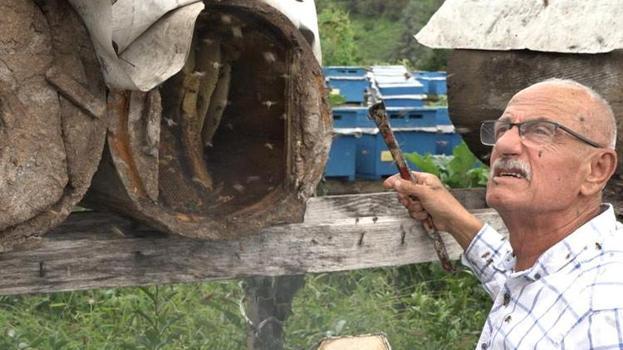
point(601, 167)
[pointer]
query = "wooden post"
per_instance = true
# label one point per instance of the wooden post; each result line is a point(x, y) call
point(269, 303)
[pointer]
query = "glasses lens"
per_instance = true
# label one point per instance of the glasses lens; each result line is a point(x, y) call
point(538, 132)
point(487, 132)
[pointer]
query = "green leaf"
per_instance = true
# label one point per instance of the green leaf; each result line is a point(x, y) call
point(425, 163)
point(336, 99)
point(462, 160)
point(461, 170)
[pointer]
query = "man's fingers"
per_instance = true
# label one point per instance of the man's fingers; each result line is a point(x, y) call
point(419, 177)
point(391, 181)
point(407, 199)
point(404, 201)
point(408, 187)
point(415, 205)
point(419, 215)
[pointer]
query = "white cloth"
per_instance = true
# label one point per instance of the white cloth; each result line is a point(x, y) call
point(569, 26)
point(303, 15)
point(572, 298)
point(139, 43)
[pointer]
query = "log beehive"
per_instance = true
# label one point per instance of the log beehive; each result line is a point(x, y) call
point(234, 142)
point(52, 124)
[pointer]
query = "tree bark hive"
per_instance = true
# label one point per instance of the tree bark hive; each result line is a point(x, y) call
point(234, 142)
point(51, 124)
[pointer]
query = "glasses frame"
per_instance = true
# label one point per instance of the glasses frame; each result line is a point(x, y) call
point(521, 130)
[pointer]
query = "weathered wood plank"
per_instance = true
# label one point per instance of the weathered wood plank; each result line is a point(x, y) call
point(323, 209)
point(95, 250)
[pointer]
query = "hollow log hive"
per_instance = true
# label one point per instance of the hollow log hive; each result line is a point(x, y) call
point(234, 142)
point(52, 121)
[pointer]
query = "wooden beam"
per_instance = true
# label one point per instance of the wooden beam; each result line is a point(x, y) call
point(96, 250)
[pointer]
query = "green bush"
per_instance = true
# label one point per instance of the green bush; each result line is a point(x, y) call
point(461, 170)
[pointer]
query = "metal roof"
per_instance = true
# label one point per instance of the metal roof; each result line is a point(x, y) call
point(568, 26)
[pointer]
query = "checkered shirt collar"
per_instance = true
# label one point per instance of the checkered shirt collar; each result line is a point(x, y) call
point(591, 234)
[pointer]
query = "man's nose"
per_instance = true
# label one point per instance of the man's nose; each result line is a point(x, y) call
point(509, 142)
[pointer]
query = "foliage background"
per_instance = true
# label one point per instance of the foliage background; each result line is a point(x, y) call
point(366, 32)
point(418, 307)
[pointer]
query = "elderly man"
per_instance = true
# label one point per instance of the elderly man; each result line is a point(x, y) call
point(557, 281)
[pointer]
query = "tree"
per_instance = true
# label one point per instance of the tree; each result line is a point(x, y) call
point(378, 8)
point(337, 38)
point(367, 8)
point(415, 15)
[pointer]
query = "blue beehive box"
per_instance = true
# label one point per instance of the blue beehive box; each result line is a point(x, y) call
point(446, 142)
point(408, 88)
point(425, 85)
point(374, 161)
point(341, 162)
point(437, 86)
point(344, 71)
point(443, 118)
point(435, 83)
point(448, 138)
point(351, 117)
point(430, 74)
point(404, 100)
point(352, 89)
point(409, 117)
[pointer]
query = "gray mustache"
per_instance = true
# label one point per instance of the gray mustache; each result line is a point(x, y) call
point(504, 164)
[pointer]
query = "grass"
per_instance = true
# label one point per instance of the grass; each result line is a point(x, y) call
point(192, 316)
point(417, 306)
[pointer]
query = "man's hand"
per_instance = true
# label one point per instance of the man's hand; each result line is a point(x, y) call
point(428, 196)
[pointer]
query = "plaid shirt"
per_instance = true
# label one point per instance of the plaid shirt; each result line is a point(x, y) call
point(572, 298)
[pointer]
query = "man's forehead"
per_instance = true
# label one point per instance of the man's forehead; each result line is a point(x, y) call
point(546, 101)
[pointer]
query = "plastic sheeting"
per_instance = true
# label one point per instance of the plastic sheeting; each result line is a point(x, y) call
point(141, 43)
point(303, 14)
point(567, 26)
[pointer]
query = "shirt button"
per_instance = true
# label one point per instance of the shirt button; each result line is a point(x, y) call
point(484, 346)
point(537, 276)
point(507, 299)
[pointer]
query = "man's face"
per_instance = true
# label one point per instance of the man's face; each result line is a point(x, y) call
point(542, 178)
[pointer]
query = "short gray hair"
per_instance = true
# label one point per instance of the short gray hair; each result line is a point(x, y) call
point(597, 98)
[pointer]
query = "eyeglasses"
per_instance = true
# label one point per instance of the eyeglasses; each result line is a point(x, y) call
point(532, 132)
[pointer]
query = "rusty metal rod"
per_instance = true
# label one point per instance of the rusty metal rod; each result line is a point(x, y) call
point(377, 113)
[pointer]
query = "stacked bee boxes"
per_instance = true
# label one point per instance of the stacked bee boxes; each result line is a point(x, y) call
point(358, 151)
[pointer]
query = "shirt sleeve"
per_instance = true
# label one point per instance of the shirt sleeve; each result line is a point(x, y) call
point(600, 329)
point(485, 255)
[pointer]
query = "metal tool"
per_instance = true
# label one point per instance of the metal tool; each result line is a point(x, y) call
point(378, 113)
